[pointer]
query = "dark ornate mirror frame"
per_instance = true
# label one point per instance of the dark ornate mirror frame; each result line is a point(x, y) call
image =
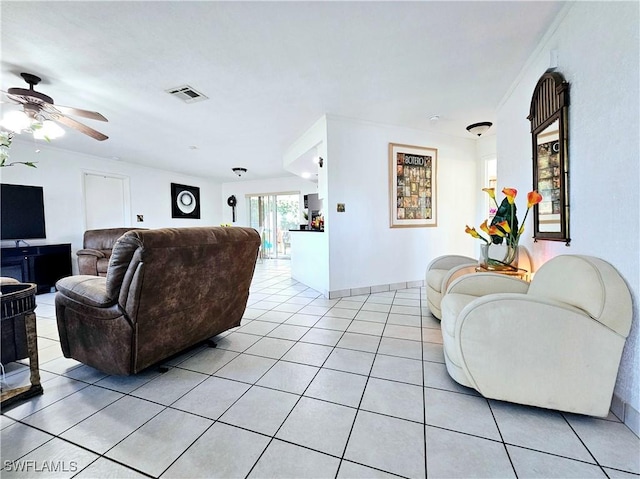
point(550, 142)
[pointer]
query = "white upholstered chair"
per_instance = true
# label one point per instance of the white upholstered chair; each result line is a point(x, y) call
point(444, 269)
point(440, 272)
point(555, 343)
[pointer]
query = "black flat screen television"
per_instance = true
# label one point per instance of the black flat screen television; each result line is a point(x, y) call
point(22, 212)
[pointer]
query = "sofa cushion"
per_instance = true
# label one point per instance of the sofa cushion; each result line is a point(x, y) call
point(89, 290)
point(451, 305)
point(103, 239)
point(120, 262)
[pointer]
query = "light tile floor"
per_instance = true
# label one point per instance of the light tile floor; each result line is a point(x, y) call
point(306, 387)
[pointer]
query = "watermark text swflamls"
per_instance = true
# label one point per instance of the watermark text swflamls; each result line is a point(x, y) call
point(40, 466)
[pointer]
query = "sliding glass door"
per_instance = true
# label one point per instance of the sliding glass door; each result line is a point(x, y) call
point(273, 215)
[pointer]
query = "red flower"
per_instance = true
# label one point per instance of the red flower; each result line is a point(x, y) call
point(510, 193)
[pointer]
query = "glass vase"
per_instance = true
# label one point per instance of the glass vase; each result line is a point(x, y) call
point(499, 257)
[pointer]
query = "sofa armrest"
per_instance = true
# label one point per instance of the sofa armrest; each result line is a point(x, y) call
point(481, 284)
point(91, 252)
point(88, 290)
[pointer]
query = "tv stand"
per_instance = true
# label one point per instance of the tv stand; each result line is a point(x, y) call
point(42, 265)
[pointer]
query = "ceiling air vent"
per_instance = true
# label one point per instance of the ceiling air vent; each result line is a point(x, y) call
point(187, 94)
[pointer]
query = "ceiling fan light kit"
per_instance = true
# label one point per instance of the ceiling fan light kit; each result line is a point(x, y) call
point(16, 121)
point(49, 130)
point(40, 116)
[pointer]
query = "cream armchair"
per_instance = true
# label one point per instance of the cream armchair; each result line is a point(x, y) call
point(555, 343)
point(440, 272)
point(444, 269)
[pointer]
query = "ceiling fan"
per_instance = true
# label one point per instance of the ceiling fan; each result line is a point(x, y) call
point(40, 107)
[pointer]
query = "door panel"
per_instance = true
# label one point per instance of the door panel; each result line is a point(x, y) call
point(273, 216)
point(106, 201)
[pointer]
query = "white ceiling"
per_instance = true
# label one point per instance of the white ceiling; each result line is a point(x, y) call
point(270, 71)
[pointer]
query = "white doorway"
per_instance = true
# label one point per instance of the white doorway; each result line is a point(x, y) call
point(273, 215)
point(490, 181)
point(106, 201)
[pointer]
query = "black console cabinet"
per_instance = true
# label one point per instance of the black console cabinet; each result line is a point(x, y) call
point(42, 265)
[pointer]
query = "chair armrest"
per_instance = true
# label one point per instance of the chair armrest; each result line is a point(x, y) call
point(481, 284)
point(88, 290)
point(91, 252)
point(457, 272)
point(450, 261)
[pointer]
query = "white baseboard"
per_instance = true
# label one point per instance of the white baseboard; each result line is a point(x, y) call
point(627, 414)
point(379, 288)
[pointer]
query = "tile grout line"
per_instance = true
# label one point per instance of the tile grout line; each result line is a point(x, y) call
point(424, 389)
point(224, 412)
point(504, 445)
point(364, 390)
point(300, 396)
point(583, 443)
point(100, 455)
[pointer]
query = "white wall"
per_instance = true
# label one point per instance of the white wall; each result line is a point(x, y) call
point(364, 251)
point(598, 50)
point(486, 157)
point(60, 172)
point(314, 142)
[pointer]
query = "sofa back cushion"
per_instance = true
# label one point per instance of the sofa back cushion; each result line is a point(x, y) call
point(588, 283)
point(103, 239)
point(121, 260)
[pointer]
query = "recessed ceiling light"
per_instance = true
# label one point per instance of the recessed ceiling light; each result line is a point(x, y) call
point(306, 175)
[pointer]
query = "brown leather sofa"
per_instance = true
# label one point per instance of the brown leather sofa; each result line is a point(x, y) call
point(165, 290)
point(93, 259)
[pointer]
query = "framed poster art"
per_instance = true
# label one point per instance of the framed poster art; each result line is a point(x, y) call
point(412, 185)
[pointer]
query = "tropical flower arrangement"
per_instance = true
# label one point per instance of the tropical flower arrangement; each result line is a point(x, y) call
point(504, 226)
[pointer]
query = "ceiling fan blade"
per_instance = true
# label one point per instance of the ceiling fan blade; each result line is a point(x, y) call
point(79, 126)
point(67, 110)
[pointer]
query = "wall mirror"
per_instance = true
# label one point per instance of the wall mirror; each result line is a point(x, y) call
point(549, 132)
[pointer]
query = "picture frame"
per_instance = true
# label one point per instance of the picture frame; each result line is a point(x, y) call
point(185, 201)
point(412, 186)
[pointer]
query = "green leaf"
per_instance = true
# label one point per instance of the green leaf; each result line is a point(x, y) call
point(504, 214)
